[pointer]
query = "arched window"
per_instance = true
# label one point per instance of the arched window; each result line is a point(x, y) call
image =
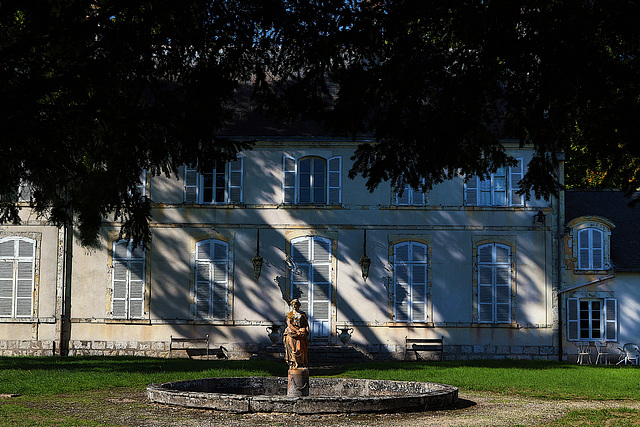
point(410, 282)
point(17, 276)
point(312, 180)
point(127, 298)
point(590, 249)
point(494, 283)
point(212, 279)
point(311, 281)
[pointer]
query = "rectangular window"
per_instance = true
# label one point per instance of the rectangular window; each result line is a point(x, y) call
point(212, 279)
point(17, 276)
point(494, 283)
point(410, 197)
point(312, 180)
point(410, 282)
point(311, 281)
point(499, 189)
point(128, 281)
point(221, 185)
point(592, 319)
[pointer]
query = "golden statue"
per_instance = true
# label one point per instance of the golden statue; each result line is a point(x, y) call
point(296, 337)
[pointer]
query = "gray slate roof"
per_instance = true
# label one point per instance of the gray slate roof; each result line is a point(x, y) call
point(613, 205)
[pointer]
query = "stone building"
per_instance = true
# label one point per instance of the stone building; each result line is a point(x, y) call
point(474, 264)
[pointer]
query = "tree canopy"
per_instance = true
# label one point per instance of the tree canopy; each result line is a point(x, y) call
point(93, 92)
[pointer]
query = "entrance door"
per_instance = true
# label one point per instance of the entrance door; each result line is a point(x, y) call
point(311, 282)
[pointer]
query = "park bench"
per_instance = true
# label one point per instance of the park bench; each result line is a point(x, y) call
point(423, 345)
point(192, 344)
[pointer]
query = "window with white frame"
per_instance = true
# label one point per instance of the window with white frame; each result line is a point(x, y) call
point(410, 196)
point(221, 185)
point(410, 282)
point(592, 319)
point(311, 281)
point(590, 249)
point(142, 183)
point(494, 283)
point(211, 279)
point(500, 189)
point(312, 180)
point(128, 281)
point(17, 276)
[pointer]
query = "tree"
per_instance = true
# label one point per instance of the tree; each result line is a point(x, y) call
point(439, 83)
point(94, 92)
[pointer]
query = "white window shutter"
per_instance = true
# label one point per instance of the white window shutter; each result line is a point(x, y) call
point(419, 198)
point(301, 275)
point(203, 289)
point(584, 249)
point(573, 326)
point(485, 294)
point(404, 198)
point(24, 288)
point(596, 249)
point(136, 289)
point(128, 280)
point(471, 192)
point(499, 187)
point(288, 180)
point(610, 319)
point(142, 183)
point(334, 189)
point(516, 173)
point(191, 177)
point(212, 279)
point(236, 180)
point(503, 294)
point(6, 287)
point(119, 291)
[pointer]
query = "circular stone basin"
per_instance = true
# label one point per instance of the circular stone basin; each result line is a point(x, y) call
point(327, 395)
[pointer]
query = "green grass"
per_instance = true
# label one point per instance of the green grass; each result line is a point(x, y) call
point(40, 381)
point(541, 379)
point(15, 415)
point(46, 376)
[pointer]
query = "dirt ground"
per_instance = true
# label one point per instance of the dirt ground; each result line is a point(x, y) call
point(132, 408)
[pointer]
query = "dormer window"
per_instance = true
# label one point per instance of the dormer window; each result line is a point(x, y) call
point(590, 241)
point(590, 249)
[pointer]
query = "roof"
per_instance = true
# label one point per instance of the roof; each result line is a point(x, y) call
point(613, 205)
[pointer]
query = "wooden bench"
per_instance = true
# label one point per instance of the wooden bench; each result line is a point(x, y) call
point(175, 340)
point(423, 344)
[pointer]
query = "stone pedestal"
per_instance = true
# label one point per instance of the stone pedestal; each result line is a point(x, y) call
point(298, 382)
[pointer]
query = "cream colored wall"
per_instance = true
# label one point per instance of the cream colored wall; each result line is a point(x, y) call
point(46, 286)
point(445, 222)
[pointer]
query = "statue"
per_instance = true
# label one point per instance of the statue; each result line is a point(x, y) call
point(296, 337)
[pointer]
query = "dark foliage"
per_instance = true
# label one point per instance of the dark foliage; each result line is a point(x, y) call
point(93, 92)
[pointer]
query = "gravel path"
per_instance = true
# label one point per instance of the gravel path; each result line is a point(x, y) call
point(132, 408)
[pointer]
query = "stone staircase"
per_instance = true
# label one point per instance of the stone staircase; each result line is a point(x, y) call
point(319, 354)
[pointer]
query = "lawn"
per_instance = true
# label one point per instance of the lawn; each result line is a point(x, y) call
point(52, 379)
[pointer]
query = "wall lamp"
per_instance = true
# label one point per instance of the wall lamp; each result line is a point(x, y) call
point(539, 218)
point(257, 260)
point(365, 261)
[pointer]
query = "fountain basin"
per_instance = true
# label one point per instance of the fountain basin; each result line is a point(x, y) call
point(327, 395)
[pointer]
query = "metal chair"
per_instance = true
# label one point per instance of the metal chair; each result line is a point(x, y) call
point(584, 352)
point(603, 353)
point(630, 354)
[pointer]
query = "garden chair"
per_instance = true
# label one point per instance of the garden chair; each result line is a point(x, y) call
point(630, 354)
point(603, 353)
point(584, 352)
